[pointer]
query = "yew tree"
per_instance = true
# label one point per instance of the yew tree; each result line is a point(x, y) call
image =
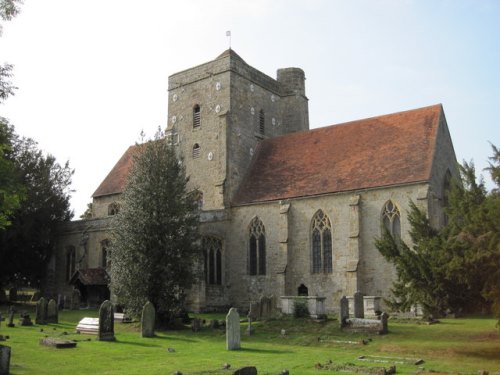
point(155, 234)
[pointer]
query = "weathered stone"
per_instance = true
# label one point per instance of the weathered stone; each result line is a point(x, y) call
point(358, 305)
point(214, 324)
point(58, 343)
point(344, 311)
point(285, 372)
point(41, 311)
point(371, 306)
point(266, 307)
point(250, 330)
point(88, 325)
point(4, 360)
point(25, 320)
point(254, 310)
point(233, 330)
point(383, 320)
point(52, 312)
point(196, 325)
point(106, 322)
point(148, 320)
point(247, 370)
point(75, 299)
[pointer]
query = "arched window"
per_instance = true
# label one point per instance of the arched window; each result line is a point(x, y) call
point(391, 219)
point(196, 151)
point(262, 122)
point(212, 253)
point(196, 116)
point(257, 248)
point(70, 261)
point(446, 195)
point(113, 209)
point(321, 245)
point(105, 260)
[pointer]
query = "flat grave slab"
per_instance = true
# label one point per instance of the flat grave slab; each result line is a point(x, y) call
point(58, 343)
point(89, 326)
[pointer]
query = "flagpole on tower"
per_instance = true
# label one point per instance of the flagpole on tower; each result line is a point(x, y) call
point(228, 33)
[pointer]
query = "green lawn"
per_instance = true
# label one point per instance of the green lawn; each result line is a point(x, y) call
point(454, 346)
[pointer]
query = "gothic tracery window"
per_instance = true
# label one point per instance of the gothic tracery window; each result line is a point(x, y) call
point(391, 219)
point(113, 209)
point(321, 246)
point(257, 248)
point(212, 253)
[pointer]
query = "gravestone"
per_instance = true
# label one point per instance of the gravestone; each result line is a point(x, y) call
point(254, 310)
point(11, 319)
point(75, 299)
point(25, 320)
point(196, 325)
point(41, 311)
point(359, 305)
point(148, 320)
point(250, 330)
point(344, 311)
point(247, 370)
point(12, 294)
point(52, 313)
point(266, 307)
point(233, 330)
point(384, 318)
point(58, 343)
point(4, 360)
point(106, 322)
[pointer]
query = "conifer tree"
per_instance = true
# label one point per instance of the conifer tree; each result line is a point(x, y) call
point(155, 234)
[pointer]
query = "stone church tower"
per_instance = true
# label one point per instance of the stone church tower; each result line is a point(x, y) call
point(219, 111)
point(284, 210)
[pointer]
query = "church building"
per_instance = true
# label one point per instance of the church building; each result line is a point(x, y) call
point(285, 210)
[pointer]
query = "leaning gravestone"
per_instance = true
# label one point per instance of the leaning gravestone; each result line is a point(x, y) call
point(233, 330)
point(148, 320)
point(359, 305)
point(52, 313)
point(106, 322)
point(4, 360)
point(41, 311)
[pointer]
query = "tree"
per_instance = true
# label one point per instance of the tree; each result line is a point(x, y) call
point(155, 234)
point(27, 244)
point(11, 190)
point(455, 268)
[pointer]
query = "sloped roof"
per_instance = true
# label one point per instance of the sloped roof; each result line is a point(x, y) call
point(114, 183)
point(379, 151)
point(90, 276)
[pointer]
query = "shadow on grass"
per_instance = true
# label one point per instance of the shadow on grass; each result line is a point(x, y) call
point(265, 351)
point(174, 338)
point(145, 345)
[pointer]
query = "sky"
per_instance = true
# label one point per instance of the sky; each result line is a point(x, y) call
point(93, 74)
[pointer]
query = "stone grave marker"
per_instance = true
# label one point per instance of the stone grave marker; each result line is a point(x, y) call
point(11, 319)
point(75, 299)
point(233, 330)
point(344, 311)
point(4, 360)
point(41, 311)
point(88, 326)
point(247, 370)
point(196, 325)
point(359, 305)
point(25, 320)
point(148, 320)
point(58, 343)
point(106, 322)
point(52, 313)
point(384, 317)
point(254, 310)
point(266, 307)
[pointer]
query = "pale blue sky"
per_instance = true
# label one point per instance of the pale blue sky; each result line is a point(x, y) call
point(92, 74)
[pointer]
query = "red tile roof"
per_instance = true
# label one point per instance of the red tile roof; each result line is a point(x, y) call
point(378, 151)
point(114, 183)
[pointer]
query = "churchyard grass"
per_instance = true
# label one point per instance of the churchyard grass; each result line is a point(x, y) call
point(454, 346)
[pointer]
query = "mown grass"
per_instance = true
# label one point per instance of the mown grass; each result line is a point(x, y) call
point(455, 346)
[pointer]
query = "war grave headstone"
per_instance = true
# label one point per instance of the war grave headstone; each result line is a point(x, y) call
point(4, 360)
point(233, 330)
point(52, 312)
point(41, 311)
point(106, 322)
point(148, 320)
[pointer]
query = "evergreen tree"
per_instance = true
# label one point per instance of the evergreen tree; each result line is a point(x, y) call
point(455, 268)
point(155, 234)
